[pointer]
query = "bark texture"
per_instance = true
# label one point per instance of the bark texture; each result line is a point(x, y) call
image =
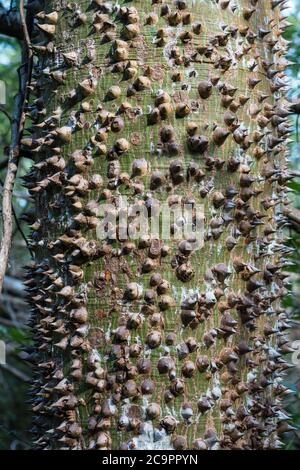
point(149, 345)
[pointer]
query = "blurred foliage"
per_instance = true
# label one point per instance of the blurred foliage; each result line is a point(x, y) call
point(292, 305)
point(292, 34)
point(14, 413)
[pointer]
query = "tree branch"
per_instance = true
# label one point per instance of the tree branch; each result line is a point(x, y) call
point(10, 23)
point(3, 164)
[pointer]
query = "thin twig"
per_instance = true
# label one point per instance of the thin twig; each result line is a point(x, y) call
point(25, 30)
point(10, 22)
point(5, 322)
point(17, 373)
point(293, 216)
point(12, 299)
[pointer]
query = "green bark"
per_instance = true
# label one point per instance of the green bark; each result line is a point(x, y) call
point(196, 82)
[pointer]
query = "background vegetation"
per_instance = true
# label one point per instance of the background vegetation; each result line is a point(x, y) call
point(14, 313)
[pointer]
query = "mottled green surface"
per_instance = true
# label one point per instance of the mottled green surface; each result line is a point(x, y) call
point(106, 305)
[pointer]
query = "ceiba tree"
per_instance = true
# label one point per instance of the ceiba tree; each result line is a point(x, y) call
point(150, 344)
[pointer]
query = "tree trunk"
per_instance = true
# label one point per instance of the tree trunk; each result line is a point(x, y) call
point(152, 344)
